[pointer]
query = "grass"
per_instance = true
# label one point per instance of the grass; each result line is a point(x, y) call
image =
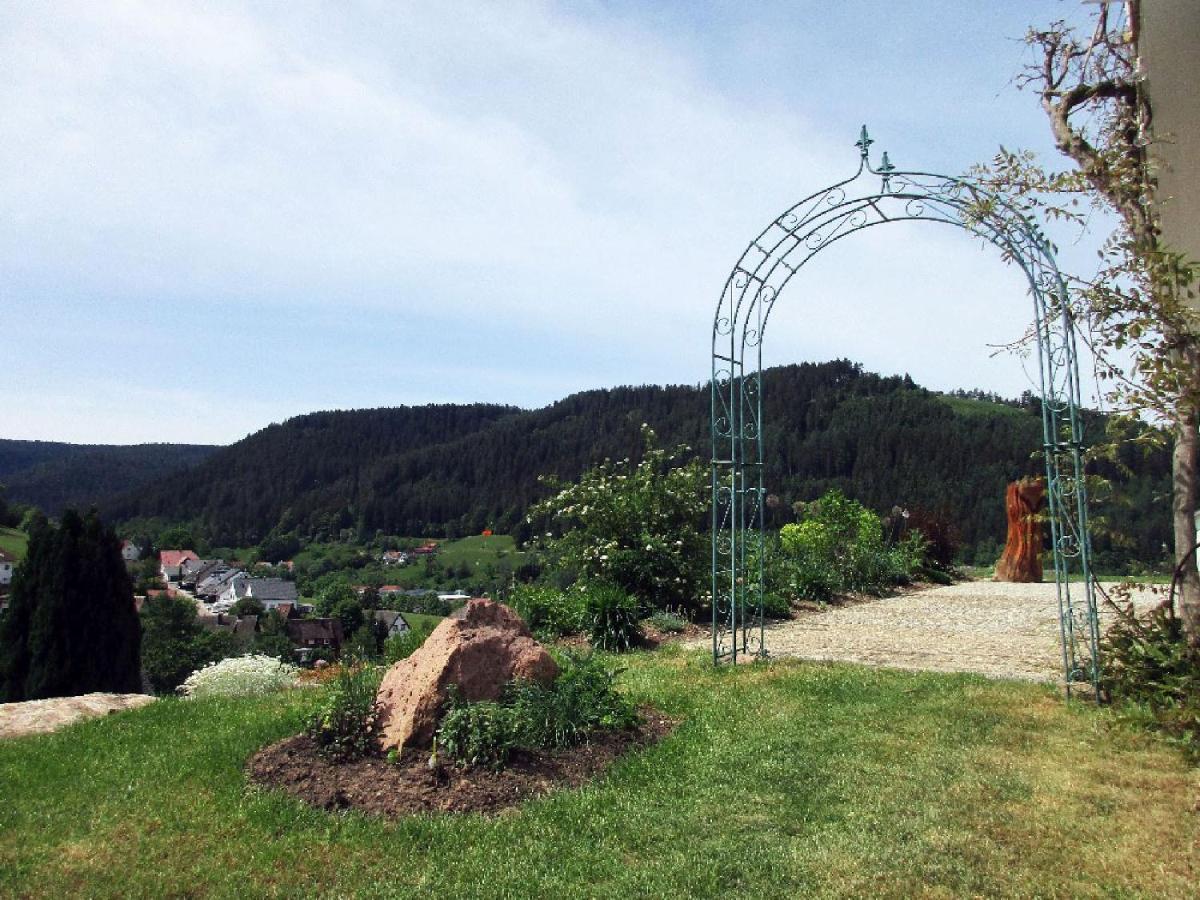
point(422, 620)
point(785, 780)
point(478, 550)
point(970, 406)
point(14, 542)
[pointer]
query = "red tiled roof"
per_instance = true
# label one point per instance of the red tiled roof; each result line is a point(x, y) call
point(175, 557)
point(390, 589)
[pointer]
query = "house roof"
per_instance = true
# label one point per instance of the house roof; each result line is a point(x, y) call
point(389, 616)
point(175, 557)
point(271, 589)
point(302, 630)
point(6, 557)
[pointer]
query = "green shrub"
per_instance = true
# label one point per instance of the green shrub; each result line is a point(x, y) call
point(776, 606)
point(346, 724)
point(667, 622)
point(839, 546)
point(581, 700)
point(483, 733)
point(1148, 664)
point(612, 618)
point(403, 645)
point(548, 611)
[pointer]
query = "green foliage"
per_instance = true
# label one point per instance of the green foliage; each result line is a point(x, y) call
point(71, 627)
point(403, 645)
point(776, 606)
point(612, 614)
point(667, 622)
point(582, 699)
point(548, 611)
point(831, 425)
point(366, 642)
point(271, 638)
point(175, 644)
point(639, 526)
point(1148, 664)
point(483, 733)
point(839, 546)
point(346, 724)
point(248, 606)
point(338, 601)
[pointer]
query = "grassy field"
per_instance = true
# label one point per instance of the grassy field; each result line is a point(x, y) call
point(784, 780)
point(969, 406)
point(419, 620)
point(13, 541)
point(478, 550)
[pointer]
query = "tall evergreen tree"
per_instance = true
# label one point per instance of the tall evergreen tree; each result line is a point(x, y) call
point(72, 627)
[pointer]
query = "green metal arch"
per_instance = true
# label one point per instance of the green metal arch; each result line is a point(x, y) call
point(754, 285)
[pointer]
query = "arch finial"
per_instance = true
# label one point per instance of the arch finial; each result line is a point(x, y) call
point(864, 142)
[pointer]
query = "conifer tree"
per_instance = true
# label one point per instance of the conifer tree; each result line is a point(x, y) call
point(72, 627)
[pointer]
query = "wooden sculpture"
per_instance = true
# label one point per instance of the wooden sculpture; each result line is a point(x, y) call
point(1022, 559)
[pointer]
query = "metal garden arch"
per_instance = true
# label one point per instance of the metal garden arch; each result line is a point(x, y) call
point(876, 195)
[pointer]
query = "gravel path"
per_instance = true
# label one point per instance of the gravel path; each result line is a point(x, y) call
point(990, 628)
point(43, 716)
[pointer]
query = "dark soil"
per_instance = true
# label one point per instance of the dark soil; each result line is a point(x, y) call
point(379, 787)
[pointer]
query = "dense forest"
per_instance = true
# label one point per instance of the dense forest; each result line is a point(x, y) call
point(53, 476)
point(451, 470)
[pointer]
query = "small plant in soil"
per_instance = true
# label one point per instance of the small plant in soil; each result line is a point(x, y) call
point(667, 622)
point(613, 617)
point(347, 723)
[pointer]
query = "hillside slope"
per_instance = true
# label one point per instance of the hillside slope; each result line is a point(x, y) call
point(454, 470)
point(53, 476)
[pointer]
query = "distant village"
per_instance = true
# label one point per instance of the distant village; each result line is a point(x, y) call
point(218, 588)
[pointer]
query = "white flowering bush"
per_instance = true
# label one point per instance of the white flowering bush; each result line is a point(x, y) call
point(638, 526)
point(240, 676)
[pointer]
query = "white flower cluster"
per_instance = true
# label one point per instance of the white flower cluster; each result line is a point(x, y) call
point(240, 676)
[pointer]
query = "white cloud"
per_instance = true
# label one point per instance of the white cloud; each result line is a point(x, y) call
point(486, 162)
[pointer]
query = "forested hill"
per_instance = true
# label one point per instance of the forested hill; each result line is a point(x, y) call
point(52, 475)
point(451, 470)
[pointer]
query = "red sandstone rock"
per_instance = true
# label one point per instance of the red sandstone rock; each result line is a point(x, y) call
point(480, 649)
point(1022, 559)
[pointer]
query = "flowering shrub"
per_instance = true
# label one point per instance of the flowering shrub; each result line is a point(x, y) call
point(240, 676)
point(640, 526)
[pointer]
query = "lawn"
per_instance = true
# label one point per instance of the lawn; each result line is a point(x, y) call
point(785, 780)
point(13, 541)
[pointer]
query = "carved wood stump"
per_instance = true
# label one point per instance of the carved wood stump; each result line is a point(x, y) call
point(1022, 559)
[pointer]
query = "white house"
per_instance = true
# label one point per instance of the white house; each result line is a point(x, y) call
point(130, 552)
point(6, 568)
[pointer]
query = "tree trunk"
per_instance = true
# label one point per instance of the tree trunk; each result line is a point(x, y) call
point(1183, 508)
point(1022, 559)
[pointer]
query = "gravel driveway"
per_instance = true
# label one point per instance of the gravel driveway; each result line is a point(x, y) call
point(990, 628)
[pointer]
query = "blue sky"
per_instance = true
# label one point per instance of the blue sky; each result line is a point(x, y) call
point(215, 216)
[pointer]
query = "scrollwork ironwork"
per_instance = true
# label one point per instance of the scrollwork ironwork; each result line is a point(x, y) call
point(751, 293)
